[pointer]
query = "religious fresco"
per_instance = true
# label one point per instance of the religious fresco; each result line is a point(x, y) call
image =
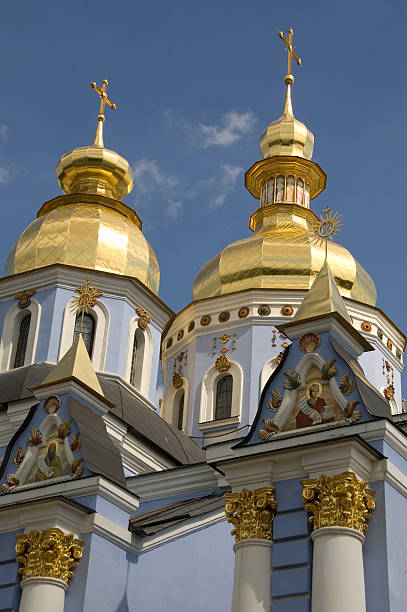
point(309, 395)
point(49, 451)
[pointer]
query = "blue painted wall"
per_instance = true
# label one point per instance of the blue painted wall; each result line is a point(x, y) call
point(9, 580)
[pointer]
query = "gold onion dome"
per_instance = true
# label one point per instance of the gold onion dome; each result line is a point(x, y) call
point(89, 226)
point(282, 253)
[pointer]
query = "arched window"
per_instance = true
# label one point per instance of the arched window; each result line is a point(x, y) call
point(88, 330)
point(133, 368)
point(21, 348)
point(180, 411)
point(223, 406)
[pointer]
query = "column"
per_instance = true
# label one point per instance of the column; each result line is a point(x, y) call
point(252, 513)
point(48, 559)
point(339, 507)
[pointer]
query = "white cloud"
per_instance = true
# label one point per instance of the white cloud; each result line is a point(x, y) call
point(148, 177)
point(174, 208)
point(226, 183)
point(232, 126)
point(4, 176)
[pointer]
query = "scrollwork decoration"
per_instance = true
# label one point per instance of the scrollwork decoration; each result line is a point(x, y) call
point(251, 512)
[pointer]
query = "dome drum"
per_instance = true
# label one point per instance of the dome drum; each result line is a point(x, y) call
point(272, 168)
point(279, 189)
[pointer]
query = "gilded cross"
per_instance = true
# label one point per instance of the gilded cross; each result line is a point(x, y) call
point(290, 48)
point(104, 99)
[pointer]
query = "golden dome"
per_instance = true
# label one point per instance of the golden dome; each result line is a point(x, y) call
point(89, 226)
point(276, 258)
point(287, 135)
point(281, 254)
point(88, 235)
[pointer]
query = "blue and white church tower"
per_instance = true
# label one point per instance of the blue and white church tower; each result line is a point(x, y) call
point(282, 368)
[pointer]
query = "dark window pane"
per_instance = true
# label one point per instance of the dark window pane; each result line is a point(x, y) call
point(88, 330)
point(181, 411)
point(224, 388)
point(22, 341)
point(133, 361)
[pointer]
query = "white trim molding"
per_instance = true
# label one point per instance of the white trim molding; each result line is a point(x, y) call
point(101, 316)
point(208, 392)
point(11, 331)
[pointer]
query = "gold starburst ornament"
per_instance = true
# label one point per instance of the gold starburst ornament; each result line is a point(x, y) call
point(86, 299)
point(327, 228)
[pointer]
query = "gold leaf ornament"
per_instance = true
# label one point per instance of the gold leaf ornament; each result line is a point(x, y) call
point(251, 512)
point(48, 553)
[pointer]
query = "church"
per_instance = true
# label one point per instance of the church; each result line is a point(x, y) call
point(248, 453)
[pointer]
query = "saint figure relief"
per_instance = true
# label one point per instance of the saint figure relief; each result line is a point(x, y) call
point(313, 407)
point(49, 465)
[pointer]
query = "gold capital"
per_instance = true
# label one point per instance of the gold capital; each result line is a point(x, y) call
point(50, 553)
point(338, 501)
point(98, 142)
point(251, 513)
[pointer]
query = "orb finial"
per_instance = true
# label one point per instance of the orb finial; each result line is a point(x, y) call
point(98, 142)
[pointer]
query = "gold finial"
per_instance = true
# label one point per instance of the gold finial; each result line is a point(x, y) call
point(327, 228)
point(86, 299)
point(291, 54)
point(98, 142)
point(289, 79)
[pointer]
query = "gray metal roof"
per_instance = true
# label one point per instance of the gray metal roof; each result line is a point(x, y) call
point(141, 420)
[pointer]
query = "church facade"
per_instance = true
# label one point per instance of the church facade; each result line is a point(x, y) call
point(272, 472)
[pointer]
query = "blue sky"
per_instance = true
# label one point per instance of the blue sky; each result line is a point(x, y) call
point(195, 84)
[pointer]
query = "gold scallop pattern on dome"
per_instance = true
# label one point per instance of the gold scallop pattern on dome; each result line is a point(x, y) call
point(88, 236)
point(268, 260)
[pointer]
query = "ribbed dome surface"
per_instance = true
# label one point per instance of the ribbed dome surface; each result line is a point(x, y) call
point(89, 236)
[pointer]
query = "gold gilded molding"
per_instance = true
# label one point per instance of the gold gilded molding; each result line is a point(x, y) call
point(341, 500)
point(251, 512)
point(50, 553)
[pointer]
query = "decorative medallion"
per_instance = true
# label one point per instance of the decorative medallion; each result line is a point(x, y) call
point(50, 553)
point(225, 338)
point(389, 344)
point(180, 334)
point(309, 342)
point(177, 380)
point(243, 312)
point(341, 500)
point(222, 364)
point(19, 456)
point(169, 343)
point(52, 404)
point(75, 443)
point(205, 320)
point(264, 310)
point(275, 401)
point(191, 326)
point(287, 311)
point(251, 513)
point(366, 326)
point(380, 334)
point(144, 318)
point(285, 345)
point(86, 299)
point(346, 385)
point(224, 316)
point(388, 392)
point(24, 297)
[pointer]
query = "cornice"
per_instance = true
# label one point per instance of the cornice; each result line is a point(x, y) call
point(177, 481)
point(115, 286)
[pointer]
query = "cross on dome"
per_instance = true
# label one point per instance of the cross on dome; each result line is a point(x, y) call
point(291, 54)
point(104, 99)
